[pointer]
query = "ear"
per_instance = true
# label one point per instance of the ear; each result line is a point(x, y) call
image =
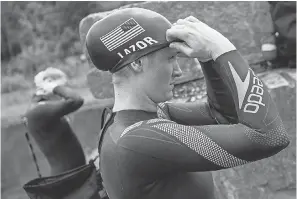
point(137, 66)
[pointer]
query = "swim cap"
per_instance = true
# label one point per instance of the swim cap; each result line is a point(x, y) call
point(55, 73)
point(124, 36)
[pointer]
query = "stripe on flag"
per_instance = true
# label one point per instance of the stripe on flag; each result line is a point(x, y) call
point(121, 34)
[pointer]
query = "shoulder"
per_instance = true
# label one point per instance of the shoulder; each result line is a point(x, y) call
point(152, 137)
point(152, 125)
point(36, 108)
point(33, 108)
point(40, 114)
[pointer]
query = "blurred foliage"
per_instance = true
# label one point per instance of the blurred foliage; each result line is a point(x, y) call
point(13, 83)
point(35, 35)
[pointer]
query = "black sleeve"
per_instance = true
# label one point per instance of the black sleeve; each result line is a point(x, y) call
point(258, 134)
point(47, 111)
point(200, 148)
point(219, 108)
point(72, 101)
point(191, 113)
point(219, 93)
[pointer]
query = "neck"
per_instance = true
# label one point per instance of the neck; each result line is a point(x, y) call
point(128, 98)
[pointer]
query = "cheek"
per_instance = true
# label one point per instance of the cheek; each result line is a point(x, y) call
point(165, 74)
point(157, 82)
point(159, 77)
point(161, 88)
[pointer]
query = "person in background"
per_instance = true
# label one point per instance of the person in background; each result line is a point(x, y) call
point(283, 15)
point(48, 124)
point(153, 149)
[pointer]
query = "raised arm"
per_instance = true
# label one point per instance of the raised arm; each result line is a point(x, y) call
point(218, 109)
point(191, 113)
point(53, 110)
point(70, 103)
point(50, 83)
point(206, 45)
point(258, 133)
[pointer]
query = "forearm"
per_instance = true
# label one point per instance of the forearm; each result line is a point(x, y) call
point(219, 95)
point(235, 91)
point(52, 110)
point(253, 103)
point(192, 113)
point(219, 108)
point(200, 148)
point(241, 82)
point(72, 99)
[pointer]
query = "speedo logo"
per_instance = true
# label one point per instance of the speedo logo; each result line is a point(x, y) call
point(255, 95)
point(147, 41)
point(255, 98)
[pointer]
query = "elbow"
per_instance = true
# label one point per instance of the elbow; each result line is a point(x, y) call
point(272, 146)
point(285, 142)
point(281, 143)
point(77, 103)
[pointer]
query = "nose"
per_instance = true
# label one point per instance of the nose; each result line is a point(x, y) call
point(177, 72)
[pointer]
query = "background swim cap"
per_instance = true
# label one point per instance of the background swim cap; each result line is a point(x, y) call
point(50, 72)
point(124, 36)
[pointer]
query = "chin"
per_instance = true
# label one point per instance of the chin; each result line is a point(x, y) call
point(169, 96)
point(162, 96)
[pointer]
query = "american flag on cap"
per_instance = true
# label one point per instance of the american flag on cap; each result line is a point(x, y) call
point(121, 34)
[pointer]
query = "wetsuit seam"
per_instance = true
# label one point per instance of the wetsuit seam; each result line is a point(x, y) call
point(229, 75)
point(120, 171)
point(267, 110)
point(139, 128)
point(211, 113)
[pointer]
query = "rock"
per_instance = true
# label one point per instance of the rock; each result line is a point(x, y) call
point(192, 99)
